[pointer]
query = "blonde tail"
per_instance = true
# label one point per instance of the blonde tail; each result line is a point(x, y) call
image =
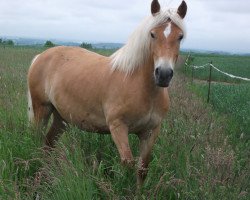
point(30, 108)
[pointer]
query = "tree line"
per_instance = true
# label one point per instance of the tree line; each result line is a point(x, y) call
point(83, 45)
point(6, 42)
point(47, 44)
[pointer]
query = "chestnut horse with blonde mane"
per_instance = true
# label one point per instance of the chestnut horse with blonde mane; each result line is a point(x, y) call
point(126, 92)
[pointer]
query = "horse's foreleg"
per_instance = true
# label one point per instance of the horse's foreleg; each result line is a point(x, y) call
point(119, 132)
point(147, 141)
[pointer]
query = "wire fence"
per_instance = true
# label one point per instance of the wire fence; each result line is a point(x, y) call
point(211, 66)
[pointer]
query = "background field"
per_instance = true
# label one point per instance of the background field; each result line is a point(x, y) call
point(228, 96)
point(233, 64)
point(197, 156)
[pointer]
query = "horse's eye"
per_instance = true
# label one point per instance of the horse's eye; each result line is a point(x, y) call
point(152, 35)
point(180, 37)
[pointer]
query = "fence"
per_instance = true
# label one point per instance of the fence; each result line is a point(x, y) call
point(211, 66)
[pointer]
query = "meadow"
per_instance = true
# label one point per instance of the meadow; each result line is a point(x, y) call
point(229, 96)
point(197, 156)
point(233, 64)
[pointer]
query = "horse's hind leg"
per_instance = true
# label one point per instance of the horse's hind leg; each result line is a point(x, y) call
point(56, 129)
point(39, 110)
point(41, 115)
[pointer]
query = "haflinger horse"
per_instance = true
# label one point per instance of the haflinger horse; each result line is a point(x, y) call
point(126, 92)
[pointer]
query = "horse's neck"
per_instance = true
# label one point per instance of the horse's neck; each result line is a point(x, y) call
point(146, 72)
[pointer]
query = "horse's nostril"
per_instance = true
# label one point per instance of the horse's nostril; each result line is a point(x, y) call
point(171, 73)
point(157, 71)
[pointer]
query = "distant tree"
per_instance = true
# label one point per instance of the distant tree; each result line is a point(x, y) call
point(49, 44)
point(6, 42)
point(86, 45)
point(10, 43)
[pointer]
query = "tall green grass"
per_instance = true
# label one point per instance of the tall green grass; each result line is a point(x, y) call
point(232, 64)
point(230, 100)
point(192, 159)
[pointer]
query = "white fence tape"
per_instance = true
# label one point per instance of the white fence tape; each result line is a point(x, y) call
point(199, 67)
point(230, 75)
point(209, 64)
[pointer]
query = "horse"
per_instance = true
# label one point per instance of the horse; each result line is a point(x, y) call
point(124, 93)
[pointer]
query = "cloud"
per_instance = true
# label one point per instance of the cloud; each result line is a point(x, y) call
point(229, 7)
point(218, 25)
point(213, 24)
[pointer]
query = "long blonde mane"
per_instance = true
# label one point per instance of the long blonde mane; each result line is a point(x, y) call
point(136, 51)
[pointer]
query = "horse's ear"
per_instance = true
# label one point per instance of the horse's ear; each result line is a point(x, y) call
point(182, 10)
point(155, 7)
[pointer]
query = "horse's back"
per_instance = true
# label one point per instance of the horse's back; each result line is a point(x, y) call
point(66, 62)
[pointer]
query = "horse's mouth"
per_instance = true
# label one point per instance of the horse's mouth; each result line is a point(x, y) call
point(163, 83)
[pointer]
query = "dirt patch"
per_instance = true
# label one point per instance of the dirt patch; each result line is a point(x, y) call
point(213, 82)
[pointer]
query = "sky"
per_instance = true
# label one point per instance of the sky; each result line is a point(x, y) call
point(221, 25)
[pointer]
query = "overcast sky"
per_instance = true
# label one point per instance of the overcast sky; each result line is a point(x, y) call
point(211, 24)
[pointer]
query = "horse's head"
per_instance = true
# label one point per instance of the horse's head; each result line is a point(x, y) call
point(165, 42)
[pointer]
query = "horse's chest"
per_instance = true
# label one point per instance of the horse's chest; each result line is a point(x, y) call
point(149, 120)
point(150, 114)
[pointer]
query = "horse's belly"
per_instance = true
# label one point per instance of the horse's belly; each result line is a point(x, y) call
point(82, 115)
point(79, 107)
point(93, 124)
point(87, 121)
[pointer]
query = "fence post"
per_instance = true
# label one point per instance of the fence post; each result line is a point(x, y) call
point(187, 63)
point(209, 82)
point(192, 74)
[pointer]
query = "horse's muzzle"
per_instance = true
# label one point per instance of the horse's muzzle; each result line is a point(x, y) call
point(163, 76)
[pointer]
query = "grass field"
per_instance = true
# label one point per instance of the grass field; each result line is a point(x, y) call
point(195, 156)
point(228, 95)
point(232, 64)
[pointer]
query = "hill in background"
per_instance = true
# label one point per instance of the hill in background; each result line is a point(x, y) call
point(40, 42)
point(99, 45)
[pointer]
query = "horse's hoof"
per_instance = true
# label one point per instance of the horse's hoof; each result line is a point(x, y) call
point(128, 163)
point(47, 149)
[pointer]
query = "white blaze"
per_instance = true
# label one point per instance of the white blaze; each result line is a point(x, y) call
point(168, 30)
point(163, 62)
